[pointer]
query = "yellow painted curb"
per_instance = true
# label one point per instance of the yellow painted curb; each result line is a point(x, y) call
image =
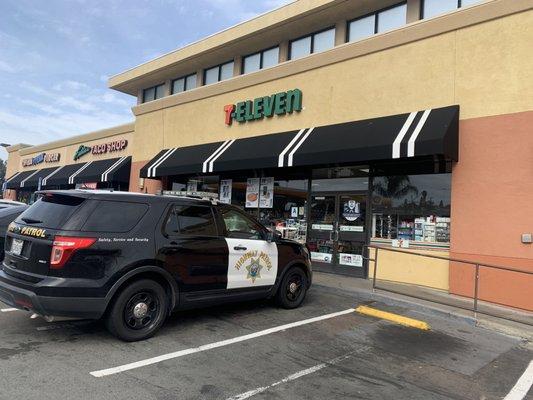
point(413, 323)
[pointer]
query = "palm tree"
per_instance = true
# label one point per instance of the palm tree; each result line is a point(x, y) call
point(393, 187)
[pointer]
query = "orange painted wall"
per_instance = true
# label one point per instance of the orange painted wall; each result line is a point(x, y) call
point(150, 185)
point(492, 205)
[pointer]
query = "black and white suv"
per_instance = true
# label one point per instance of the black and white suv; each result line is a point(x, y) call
point(132, 259)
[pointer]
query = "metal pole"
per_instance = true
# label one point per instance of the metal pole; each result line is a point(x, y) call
point(375, 270)
point(476, 288)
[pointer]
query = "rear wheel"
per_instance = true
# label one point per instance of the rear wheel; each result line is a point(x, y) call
point(138, 311)
point(293, 288)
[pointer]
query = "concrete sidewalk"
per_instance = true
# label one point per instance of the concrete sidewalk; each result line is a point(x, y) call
point(509, 321)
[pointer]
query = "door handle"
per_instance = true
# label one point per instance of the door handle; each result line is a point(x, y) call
point(240, 248)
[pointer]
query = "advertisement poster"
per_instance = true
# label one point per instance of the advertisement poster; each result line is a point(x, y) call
point(266, 198)
point(354, 260)
point(252, 192)
point(225, 191)
point(192, 186)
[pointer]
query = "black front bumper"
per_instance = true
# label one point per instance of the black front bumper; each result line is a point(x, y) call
point(12, 294)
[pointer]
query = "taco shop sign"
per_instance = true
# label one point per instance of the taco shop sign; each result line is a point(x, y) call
point(277, 104)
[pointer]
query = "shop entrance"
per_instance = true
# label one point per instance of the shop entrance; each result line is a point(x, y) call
point(338, 232)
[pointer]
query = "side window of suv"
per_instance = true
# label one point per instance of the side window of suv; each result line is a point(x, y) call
point(191, 220)
point(239, 226)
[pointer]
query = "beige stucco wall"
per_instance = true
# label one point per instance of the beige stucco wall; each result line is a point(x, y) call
point(413, 269)
point(482, 68)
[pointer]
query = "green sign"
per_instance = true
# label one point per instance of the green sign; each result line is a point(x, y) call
point(82, 150)
point(277, 104)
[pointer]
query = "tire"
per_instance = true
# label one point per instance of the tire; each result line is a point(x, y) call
point(138, 311)
point(288, 296)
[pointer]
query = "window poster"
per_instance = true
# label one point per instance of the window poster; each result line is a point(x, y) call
point(354, 260)
point(192, 186)
point(225, 191)
point(252, 192)
point(266, 198)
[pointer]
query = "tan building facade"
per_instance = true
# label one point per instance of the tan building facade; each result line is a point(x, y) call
point(453, 91)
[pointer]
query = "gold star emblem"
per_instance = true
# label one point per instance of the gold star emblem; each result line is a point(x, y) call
point(254, 270)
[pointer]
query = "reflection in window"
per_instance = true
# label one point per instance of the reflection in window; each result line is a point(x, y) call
point(184, 84)
point(432, 8)
point(301, 48)
point(412, 207)
point(153, 93)
point(314, 43)
point(263, 59)
point(218, 73)
point(392, 18)
point(191, 220)
point(239, 226)
point(362, 28)
point(288, 213)
point(379, 21)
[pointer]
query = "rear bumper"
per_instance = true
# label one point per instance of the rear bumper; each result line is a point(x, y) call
point(73, 307)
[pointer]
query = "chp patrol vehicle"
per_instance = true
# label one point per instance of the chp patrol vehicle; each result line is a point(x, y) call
point(132, 259)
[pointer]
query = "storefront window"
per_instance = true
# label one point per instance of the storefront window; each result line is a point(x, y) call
point(287, 211)
point(339, 179)
point(412, 207)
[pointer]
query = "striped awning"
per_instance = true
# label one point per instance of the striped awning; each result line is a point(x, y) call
point(403, 136)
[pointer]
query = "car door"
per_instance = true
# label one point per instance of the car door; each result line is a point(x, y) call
point(252, 261)
point(192, 250)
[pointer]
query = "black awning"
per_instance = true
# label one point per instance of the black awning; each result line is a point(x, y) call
point(182, 160)
point(266, 151)
point(33, 181)
point(15, 181)
point(110, 170)
point(61, 176)
point(421, 133)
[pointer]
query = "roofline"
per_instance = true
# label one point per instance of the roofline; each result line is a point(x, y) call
point(85, 137)
point(201, 40)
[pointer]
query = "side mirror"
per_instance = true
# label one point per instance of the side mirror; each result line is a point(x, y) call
point(273, 236)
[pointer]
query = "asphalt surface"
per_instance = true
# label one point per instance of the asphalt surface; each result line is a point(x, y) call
point(348, 356)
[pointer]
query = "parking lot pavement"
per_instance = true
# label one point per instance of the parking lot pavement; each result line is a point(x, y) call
point(257, 351)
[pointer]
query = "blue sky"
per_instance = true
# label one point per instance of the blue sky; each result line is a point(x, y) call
point(56, 56)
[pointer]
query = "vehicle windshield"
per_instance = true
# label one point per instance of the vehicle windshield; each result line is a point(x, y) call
point(51, 211)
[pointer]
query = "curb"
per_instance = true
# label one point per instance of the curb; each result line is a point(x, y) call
point(519, 332)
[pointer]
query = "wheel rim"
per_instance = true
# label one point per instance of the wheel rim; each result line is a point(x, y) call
point(294, 287)
point(141, 311)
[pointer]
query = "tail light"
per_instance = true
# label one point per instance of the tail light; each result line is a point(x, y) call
point(63, 248)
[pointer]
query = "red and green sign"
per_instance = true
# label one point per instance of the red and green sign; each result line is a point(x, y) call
point(277, 104)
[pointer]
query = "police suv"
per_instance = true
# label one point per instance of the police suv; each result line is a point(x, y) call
point(132, 259)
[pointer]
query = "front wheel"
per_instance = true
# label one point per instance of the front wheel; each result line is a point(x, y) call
point(293, 288)
point(138, 312)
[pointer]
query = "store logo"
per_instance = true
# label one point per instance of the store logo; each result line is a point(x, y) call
point(352, 210)
point(97, 149)
point(82, 150)
point(261, 107)
point(43, 157)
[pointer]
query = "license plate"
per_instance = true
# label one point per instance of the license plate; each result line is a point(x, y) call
point(16, 246)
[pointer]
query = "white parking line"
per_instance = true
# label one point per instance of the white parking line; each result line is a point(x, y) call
point(8, 309)
point(296, 375)
point(210, 346)
point(522, 386)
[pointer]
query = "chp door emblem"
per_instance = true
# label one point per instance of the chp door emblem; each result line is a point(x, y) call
point(253, 262)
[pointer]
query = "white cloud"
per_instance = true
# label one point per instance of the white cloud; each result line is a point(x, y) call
point(5, 67)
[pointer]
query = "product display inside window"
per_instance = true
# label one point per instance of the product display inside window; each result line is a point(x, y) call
point(286, 208)
point(412, 208)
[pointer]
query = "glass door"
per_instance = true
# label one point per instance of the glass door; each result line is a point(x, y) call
point(322, 228)
point(337, 231)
